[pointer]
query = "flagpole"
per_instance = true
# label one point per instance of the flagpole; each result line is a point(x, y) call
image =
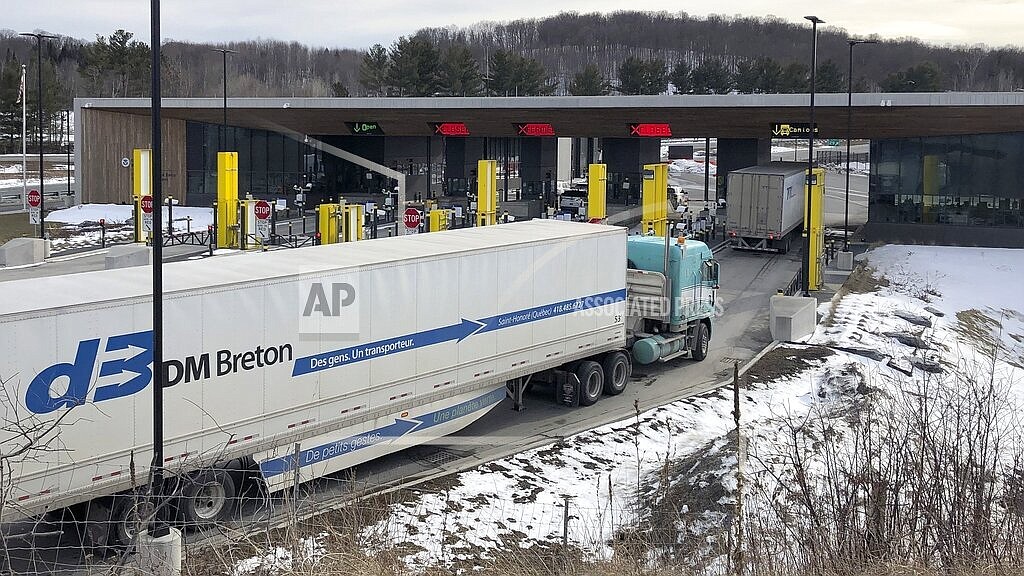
point(24, 155)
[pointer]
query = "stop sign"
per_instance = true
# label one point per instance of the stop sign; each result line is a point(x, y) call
point(412, 218)
point(262, 209)
point(34, 199)
point(146, 204)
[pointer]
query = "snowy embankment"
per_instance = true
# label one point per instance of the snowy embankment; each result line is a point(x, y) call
point(690, 167)
point(929, 319)
point(80, 225)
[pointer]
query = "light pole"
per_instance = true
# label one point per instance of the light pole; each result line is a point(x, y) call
point(39, 109)
point(157, 528)
point(849, 128)
point(224, 126)
point(810, 158)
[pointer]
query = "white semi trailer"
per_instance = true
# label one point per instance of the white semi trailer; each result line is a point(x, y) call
point(766, 206)
point(352, 351)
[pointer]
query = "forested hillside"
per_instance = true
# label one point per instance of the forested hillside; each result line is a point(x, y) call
point(580, 54)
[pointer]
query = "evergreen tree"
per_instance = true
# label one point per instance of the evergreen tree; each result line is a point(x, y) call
point(339, 90)
point(117, 66)
point(828, 78)
point(639, 77)
point(769, 75)
point(414, 67)
point(589, 82)
point(924, 77)
point(655, 77)
point(501, 74)
point(460, 73)
point(711, 77)
point(514, 75)
point(373, 71)
point(10, 107)
point(794, 78)
point(632, 75)
point(680, 77)
point(747, 78)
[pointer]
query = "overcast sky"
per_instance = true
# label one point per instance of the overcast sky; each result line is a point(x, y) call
point(343, 23)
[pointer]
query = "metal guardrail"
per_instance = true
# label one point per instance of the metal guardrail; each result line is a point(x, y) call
point(793, 288)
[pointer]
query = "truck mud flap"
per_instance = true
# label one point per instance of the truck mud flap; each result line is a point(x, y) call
point(567, 388)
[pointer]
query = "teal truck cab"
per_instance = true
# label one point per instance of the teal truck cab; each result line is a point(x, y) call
point(671, 288)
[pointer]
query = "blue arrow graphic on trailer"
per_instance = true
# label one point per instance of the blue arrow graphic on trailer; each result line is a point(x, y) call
point(389, 433)
point(457, 332)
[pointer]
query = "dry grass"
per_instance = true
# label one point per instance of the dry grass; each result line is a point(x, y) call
point(861, 281)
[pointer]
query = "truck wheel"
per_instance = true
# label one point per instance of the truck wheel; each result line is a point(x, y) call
point(616, 373)
point(206, 497)
point(130, 514)
point(591, 381)
point(699, 351)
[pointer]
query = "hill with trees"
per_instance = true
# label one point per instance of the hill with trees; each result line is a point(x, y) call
point(567, 54)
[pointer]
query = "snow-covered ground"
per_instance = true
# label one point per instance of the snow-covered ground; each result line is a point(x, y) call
point(684, 166)
point(928, 308)
point(81, 223)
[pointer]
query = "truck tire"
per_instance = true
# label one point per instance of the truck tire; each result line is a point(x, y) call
point(206, 497)
point(130, 513)
point(591, 381)
point(699, 349)
point(616, 368)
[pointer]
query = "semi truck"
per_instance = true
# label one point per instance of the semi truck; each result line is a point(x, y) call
point(347, 351)
point(766, 206)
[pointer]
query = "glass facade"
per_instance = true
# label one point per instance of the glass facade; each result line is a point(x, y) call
point(975, 180)
point(269, 164)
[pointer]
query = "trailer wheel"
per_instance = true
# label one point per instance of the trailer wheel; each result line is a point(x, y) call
point(591, 381)
point(130, 514)
point(616, 373)
point(206, 497)
point(699, 351)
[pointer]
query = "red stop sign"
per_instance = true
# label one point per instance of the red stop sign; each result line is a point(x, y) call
point(412, 218)
point(262, 209)
point(146, 204)
point(34, 199)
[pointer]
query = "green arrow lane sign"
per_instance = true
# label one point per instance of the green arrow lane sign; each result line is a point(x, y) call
point(792, 130)
point(365, 128)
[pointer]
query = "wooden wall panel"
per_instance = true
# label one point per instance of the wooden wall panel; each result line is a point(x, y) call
point(107, 137)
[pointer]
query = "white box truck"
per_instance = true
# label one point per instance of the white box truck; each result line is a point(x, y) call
point(350, 350)
point(765, 210)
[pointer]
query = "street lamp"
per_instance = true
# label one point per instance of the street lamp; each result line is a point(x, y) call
point(810, 158)
point(849, 124)
point(224, 53)
point(39, 100)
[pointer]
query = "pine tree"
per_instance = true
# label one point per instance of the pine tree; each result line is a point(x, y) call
point(794, 79)
point(514, 75)
point(632, 75)
point(10, 107)
point(339, 90)
point(655, 77)
point(680, 78)
point(589, 82)
point(747, 78)
point(501, 73)
point(769, 74)
point(829, 79)
point(373, 71)
point(460, 73)
point(711, 77)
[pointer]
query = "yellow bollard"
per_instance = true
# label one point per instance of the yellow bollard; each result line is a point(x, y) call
point(597, 188)
point(817, 230)
point(227, 200)
point(655, 200)
point(351, 222)
point(327, 229)
point(487, 192)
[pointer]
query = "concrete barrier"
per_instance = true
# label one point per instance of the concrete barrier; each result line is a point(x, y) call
point(127, 255)
point(792, 317)
point(160, 556)
point(22, 251)
point(844, 261)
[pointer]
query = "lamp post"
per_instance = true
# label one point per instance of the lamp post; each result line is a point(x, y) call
point(157, 528)
point(849, 128)
point(224, 126)
point(810, 159)
point(39, 109)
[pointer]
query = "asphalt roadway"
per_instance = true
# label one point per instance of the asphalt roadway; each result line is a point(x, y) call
point(741, 330)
